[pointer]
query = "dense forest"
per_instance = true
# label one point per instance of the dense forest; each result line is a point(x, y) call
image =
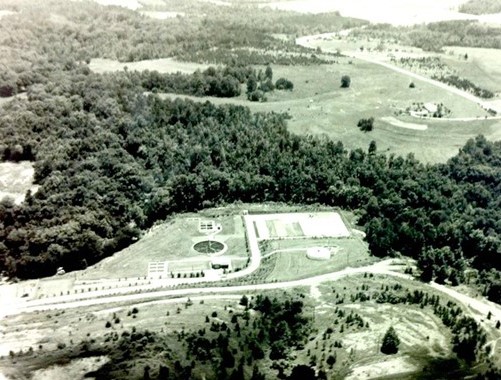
point(437, 35)
point(110, 160)
point(480, 7)
point(54, 35)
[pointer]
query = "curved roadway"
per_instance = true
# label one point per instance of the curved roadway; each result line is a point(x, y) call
point(305, 41)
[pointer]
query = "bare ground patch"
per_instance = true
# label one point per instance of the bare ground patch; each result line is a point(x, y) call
point(401, 124)
point(390, 366)
point(162, 65)
point(16, 179)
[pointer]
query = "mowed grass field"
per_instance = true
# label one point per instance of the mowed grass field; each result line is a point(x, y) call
point(318, 106)
point(482, 66)
point(168, 242)
point(291, 265)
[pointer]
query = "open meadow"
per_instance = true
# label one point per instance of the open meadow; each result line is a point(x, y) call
point(318, 106)
point(482, 66)
point(291, 261)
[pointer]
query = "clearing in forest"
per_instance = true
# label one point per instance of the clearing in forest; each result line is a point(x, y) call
point(299, 225)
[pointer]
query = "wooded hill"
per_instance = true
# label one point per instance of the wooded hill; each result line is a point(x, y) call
point(111, 161)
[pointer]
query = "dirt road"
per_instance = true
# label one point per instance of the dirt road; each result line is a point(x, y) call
point(479, 308)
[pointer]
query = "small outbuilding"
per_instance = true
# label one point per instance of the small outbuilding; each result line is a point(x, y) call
point(220, 263)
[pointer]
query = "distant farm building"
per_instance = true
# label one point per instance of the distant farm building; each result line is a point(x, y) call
point(430, 107)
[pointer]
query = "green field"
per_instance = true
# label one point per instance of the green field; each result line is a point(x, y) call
point(482, 66)
point(166, 242)
point(318, 106)
point(295, 265)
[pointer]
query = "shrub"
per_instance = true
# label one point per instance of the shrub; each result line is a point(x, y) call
point(366, 125)
point(284, 84)
point(267, 86)
point(244, 301)
point(345, 81)
point(256, 96)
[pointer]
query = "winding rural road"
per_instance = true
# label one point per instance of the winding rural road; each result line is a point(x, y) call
point(308, 42)
point(478, 308)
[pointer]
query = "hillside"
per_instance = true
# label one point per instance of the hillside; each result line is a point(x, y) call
point(481, 7)
point(235, 112)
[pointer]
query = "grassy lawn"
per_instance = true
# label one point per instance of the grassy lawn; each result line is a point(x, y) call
point(319, 106)
point(295, 265)
point(482, 66)
point(166, 242)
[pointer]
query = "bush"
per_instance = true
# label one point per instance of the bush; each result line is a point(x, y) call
point(284, 84)
point(345, 81)
point(366, 125)
point(256, 96)
point(244, 301)
point(267, 86)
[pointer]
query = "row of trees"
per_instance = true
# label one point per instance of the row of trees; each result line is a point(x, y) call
point(466, 85)
point(435, 36)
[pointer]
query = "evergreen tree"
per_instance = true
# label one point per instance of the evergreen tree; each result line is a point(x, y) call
point(268, 73)
point(390, 342)
point(302, 372)
point(244, 301)
point(251, 84)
